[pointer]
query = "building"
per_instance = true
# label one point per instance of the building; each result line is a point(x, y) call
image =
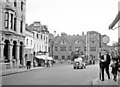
point(115, 21)
point(64, 45)
point(41, 38)
point(12, 31)
point(51, 36)
point(29, 45)
point(89, 45)
point(93, 45)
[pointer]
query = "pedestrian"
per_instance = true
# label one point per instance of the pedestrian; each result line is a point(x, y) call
point(104, 64)
point(115, 64)
point(28, 64)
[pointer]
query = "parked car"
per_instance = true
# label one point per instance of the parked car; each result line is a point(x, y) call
point(79, 63)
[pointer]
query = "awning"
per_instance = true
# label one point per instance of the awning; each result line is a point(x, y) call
point(117, 18)
point(49, 58)
point(41, 57)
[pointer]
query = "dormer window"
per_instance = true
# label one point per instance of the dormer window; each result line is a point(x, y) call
point(77, 42)
point(63, 42)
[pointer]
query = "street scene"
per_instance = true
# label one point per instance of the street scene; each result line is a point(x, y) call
point(56, 42)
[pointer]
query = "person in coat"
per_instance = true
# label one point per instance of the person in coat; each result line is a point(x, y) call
point(104, 64)
point(115, 65)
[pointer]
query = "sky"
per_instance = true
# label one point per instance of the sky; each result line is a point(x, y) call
point(74, 16)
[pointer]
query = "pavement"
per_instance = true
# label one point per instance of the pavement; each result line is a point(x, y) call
point(17, 70)
point(107, 82)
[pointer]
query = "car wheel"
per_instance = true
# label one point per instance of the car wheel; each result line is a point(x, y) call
point(74, 67)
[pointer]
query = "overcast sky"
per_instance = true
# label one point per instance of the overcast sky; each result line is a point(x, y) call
point(74, 16)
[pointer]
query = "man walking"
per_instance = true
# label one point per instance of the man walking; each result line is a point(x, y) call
point(104, 64)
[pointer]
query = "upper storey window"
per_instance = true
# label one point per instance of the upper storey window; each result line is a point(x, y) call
point(15, 3)
point(6, 20)
point(22, 4)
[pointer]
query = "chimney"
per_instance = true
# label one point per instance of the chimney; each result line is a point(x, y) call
point(54, 33)
point(82, 33)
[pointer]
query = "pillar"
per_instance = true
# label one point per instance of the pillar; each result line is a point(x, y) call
point(18, 55)
point(23, 55)
point(10, 48)
point(1, 51)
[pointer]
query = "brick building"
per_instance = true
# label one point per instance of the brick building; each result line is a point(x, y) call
point(64, 45)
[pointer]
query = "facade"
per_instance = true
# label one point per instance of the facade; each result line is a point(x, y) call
point(41, 37)
point(89, 45)
point(29, 45)
point(50, 49)
point(12, 31)
point(93, 44)
point(65, 44)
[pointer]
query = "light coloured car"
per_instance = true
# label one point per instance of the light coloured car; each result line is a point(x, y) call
point(79, 63)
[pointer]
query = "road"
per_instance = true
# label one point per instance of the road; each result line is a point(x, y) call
point(61, 74)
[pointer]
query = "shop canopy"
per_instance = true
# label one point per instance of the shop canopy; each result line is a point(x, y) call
point(117, 18)
point(41, 57)
point(49, 58)
point(44, 57)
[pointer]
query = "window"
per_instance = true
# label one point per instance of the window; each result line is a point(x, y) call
point(11, 21)
point(26, 41)
point(31, 42)
point(63, 57)
point(62, 48)
point(84, 48)
point(49, 49)
point(37, 36)
point(41, 37)
point(6, 19)
point(56, 49)
point(92, 48)
point(70, 48)
point(44, 37)
point(15, 3)
point(77, 42)
point(21, 6)
point(15, 23)
point(68, 58)
point(63, 42)
point(21, 27)
point(77, 48)
point(55, 57)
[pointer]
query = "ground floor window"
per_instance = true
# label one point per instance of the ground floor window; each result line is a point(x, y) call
point(55, 57)
point(63, 57)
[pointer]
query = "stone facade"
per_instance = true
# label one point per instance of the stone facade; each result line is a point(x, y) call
point(29, 45)
point(12, 28)
point(41, 38)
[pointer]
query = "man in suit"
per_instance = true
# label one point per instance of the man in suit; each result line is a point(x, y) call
point(104, 64)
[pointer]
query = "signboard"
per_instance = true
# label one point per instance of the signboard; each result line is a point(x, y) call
point(105, 39)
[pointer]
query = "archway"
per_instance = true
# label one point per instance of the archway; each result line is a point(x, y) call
point(21, 53)
point(14, 50)
point(6, 51)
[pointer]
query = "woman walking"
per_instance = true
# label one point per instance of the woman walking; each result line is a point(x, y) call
point(115, 64)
